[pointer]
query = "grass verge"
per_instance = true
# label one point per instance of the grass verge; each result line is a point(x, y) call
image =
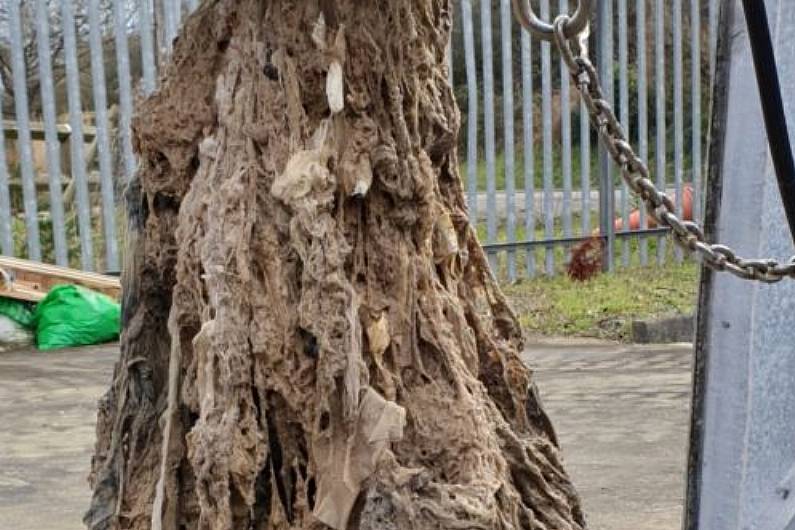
point(604, 306)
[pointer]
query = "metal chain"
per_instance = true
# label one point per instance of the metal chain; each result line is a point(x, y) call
point(635, 172)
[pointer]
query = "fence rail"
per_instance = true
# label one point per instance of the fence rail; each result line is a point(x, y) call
point(536, 183)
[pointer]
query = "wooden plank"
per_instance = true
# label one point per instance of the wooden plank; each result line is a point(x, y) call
point(42, 277)
point(22, 291)
point(19, 290)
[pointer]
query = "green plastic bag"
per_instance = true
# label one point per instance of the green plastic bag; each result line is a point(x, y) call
point(71, 315)
point(20, 312)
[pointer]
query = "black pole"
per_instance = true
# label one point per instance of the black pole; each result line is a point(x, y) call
point(772, 105)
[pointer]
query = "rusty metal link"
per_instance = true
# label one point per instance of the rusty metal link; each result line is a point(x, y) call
point(635, 172)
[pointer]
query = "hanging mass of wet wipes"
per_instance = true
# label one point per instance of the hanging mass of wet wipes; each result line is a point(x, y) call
point(312, 335)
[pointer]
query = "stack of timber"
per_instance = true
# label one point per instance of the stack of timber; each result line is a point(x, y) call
point(31, 281)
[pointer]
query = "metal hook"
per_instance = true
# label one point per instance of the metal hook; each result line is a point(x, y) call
point(545, 31)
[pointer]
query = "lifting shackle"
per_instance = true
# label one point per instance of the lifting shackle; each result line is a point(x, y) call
point(546, 31)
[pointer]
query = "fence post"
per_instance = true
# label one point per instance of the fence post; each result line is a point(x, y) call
point(506, 16)
point(76, 138)
point(23, 132)
point(585, 168)
point(679, 118)
point(147, 45)
point(164, 20)
point(103, 137)
point(125, 86)
point(6, 237)
point(176, 19)
point(643, 114)
point(488, 117)
point(51, 134)
point(565, 141)
point(623, 97)
point(546, 122)
point(695, 75)
point(660, 154)
point(606, 190)
point(449, 56)
point(472, 110)
point(528, 158)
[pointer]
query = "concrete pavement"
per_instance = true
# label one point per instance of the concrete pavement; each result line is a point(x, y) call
point(48, 408)
point(621, 415)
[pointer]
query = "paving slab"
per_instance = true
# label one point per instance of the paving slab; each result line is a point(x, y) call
point(622, 415)
point(620, 411)
point(48, 410)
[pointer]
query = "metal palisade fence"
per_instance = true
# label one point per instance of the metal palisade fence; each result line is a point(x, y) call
point(69, 73)
point(537, 183)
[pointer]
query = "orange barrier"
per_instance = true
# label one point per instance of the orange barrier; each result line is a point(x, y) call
point(634, 216)
point(586, 258)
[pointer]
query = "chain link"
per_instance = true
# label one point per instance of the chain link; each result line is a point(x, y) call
point(635, 173)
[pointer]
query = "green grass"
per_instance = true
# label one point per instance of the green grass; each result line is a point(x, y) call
point(604, 306)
